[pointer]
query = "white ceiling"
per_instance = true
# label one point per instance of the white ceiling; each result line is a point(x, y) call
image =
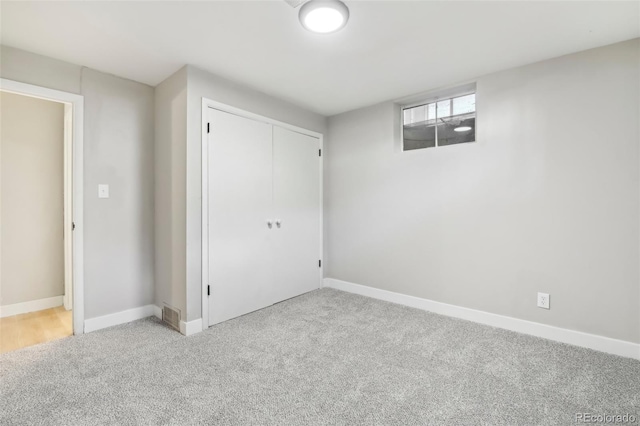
point(388, 50)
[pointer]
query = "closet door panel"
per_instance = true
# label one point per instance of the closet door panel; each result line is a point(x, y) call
point(296, 186)
point(240, 204)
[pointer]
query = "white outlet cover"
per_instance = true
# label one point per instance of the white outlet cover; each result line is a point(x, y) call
point(103, 190)
point(543, 300)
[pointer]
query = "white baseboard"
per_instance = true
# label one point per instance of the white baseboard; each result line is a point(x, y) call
point(157, 312)
point(118, 318)
point(572, 337)
point(191, 327)
point(31, 306)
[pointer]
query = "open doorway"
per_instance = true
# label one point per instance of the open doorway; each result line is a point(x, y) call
point(41, 214)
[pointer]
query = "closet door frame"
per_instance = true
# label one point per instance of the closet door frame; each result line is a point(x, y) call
point(206, 104)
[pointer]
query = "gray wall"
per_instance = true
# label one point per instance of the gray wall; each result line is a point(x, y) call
point(32, 196)
point(170, 194)
point(27, 67)
point(118, 150)
point(118, 235)
point(546, 200)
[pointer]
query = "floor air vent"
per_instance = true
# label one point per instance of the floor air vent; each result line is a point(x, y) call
point(171, 317)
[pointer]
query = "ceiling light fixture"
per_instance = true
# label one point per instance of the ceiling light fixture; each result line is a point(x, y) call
point(324, 16)
point(462, 129)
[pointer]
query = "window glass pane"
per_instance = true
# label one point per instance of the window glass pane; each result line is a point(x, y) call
point(419, 114)
point(415, 114)
point(407, 116)
point(456, 120)
point(444, 108)
point(457, 130)
point(419, 136)
point(419, 131)
point(464, 104)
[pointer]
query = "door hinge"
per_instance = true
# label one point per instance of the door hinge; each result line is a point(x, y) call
point(73, 226)
point(319, 263)
point(208, 128)
point(208, 290)
point(319, 153)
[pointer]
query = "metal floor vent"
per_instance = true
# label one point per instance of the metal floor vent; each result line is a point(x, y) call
point(171, 317)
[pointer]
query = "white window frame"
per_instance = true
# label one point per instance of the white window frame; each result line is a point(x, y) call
point(449, 94)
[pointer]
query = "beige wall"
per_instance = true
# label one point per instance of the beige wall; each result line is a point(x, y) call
point(32, 195)
point(546, 200)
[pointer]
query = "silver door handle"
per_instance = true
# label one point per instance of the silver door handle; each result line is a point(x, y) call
point(278, 223)
point(270, 224)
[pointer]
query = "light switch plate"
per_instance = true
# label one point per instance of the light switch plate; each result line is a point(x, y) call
point(103, 190)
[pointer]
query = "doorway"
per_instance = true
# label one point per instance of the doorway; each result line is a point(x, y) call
point(40, 226)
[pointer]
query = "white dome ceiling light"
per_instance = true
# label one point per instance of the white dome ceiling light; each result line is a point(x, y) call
point(324, 16)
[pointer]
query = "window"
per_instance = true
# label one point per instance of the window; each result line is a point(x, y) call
point(439, 123)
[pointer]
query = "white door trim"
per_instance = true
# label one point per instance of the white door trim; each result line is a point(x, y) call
point(208, 103)
point(68, 207)
point(73, 187)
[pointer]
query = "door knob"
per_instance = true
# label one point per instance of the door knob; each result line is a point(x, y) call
point(278, 223)
point(269, 224)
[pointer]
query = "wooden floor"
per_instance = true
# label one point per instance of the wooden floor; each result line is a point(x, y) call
point(24, 330)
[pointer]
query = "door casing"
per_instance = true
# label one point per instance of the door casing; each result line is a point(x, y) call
point(73, 190)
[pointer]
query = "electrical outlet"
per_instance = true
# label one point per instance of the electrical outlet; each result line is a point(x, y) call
point(543, 300)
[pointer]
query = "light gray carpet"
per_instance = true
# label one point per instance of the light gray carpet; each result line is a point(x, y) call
point(327, 357)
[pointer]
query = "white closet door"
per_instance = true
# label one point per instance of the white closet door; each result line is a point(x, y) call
point(296, 199)
point(240, 204)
